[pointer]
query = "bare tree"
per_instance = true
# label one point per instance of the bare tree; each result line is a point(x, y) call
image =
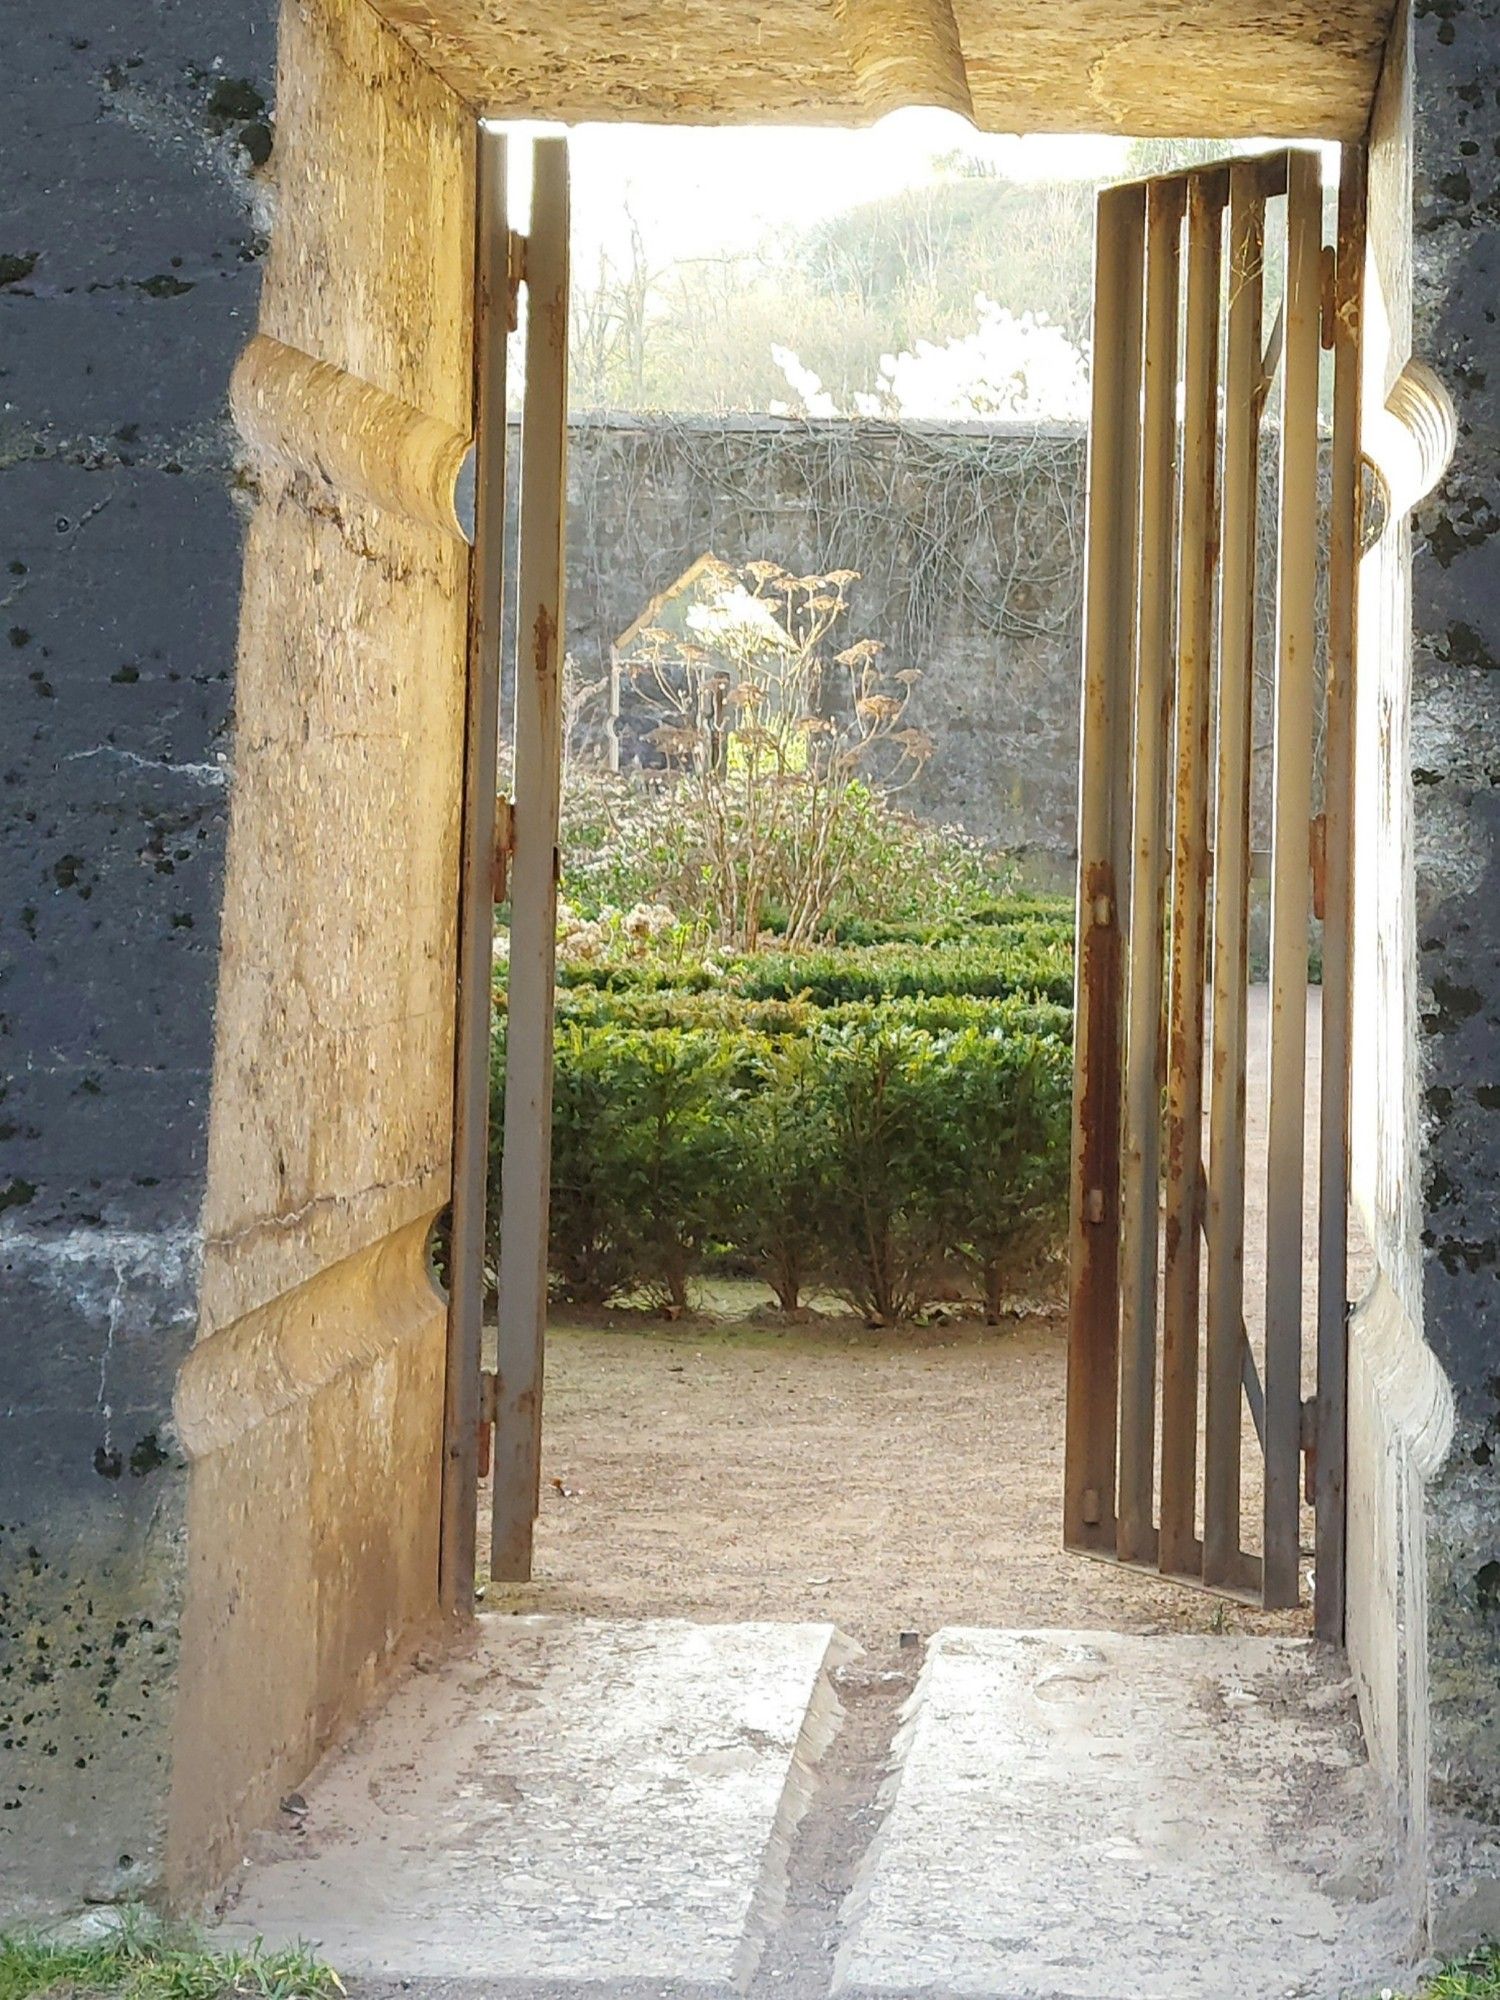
point(608, 326)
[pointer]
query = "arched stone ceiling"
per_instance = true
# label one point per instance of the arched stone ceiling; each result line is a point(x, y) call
point(1207, 68)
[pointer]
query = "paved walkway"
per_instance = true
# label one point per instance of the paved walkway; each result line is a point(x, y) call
point(653, 1806)
point(575, 1807)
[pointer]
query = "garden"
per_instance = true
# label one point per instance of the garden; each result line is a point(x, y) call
point(802, 1036)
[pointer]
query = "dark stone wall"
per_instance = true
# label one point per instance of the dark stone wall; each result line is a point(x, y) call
point(134, 144)
point(1456, 772)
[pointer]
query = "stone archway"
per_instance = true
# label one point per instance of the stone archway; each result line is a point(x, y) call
point(311, 1406)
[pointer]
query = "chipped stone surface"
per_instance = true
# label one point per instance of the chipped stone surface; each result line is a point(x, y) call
point(1425, 1382)
point(1223, 69)
point(1456, 808)
point(1085, 1815)
point(574, 1801)
point(346, 436)
point(312, 1403)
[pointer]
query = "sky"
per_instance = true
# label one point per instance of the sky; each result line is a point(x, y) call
point(705, 191)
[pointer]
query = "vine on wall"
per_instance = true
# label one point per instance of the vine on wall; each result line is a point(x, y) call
point(987, 519)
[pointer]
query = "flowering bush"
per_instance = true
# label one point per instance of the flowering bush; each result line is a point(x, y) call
point(1011, 365)
point(627, 843)
point(774, 745)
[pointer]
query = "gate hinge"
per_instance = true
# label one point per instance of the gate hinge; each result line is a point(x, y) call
point(515, 276)
point(489, 1403)
point(505, 847)
point(1374, 503)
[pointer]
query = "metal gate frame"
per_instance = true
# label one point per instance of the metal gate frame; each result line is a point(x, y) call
point(1157, 1328)
point(508, 851)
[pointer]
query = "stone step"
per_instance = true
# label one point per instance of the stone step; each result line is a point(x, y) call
point(1094, 1816)
point(574, 1803)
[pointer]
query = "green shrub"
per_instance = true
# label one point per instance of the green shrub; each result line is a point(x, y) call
point(592, 1243)
point(860, 1117)
point(883, 1211)
point(1001, 1148)
point(639, 837)
point(729, 1013)
point(781, 1166)
point(980, 963)
point(1049, 917)
point(976, 969)
point(678, 1106)
point(641, 1158)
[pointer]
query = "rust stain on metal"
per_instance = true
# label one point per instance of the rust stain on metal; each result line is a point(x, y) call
point(505, 843)
point(1099, 951)
point(554, 317)
point(1317, 843)
point(544, 646)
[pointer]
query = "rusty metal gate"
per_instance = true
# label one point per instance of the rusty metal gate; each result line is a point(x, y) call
point(509, 853)
point(1212, 482)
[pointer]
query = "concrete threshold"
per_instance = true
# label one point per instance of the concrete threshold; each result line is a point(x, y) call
point(1094, 1816)
point(571, 1803)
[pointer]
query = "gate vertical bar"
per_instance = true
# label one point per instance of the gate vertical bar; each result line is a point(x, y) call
point(1290, 901)
point(526, 1167)
point(1180, 1549)
point(1103, 859)
point(476, 918)
point(1225, 1224)
point(1141, 1151)
point(1338, 804)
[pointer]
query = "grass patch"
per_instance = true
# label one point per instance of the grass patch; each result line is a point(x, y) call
point(143, 1960)
point(1474, 1978)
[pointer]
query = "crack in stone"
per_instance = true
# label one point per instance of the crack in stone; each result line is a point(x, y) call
point(289, 1218)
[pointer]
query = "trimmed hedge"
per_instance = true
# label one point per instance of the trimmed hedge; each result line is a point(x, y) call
point(1029, 953)
point(862, 1118)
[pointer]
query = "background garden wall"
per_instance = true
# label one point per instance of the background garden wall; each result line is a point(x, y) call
point(969, 544)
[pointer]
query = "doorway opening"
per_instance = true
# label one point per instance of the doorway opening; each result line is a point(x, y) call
point(741, 1417)
point(1076, 1678)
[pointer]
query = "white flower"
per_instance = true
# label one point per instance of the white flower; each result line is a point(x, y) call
point(1008, 366)
point(814, 398)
